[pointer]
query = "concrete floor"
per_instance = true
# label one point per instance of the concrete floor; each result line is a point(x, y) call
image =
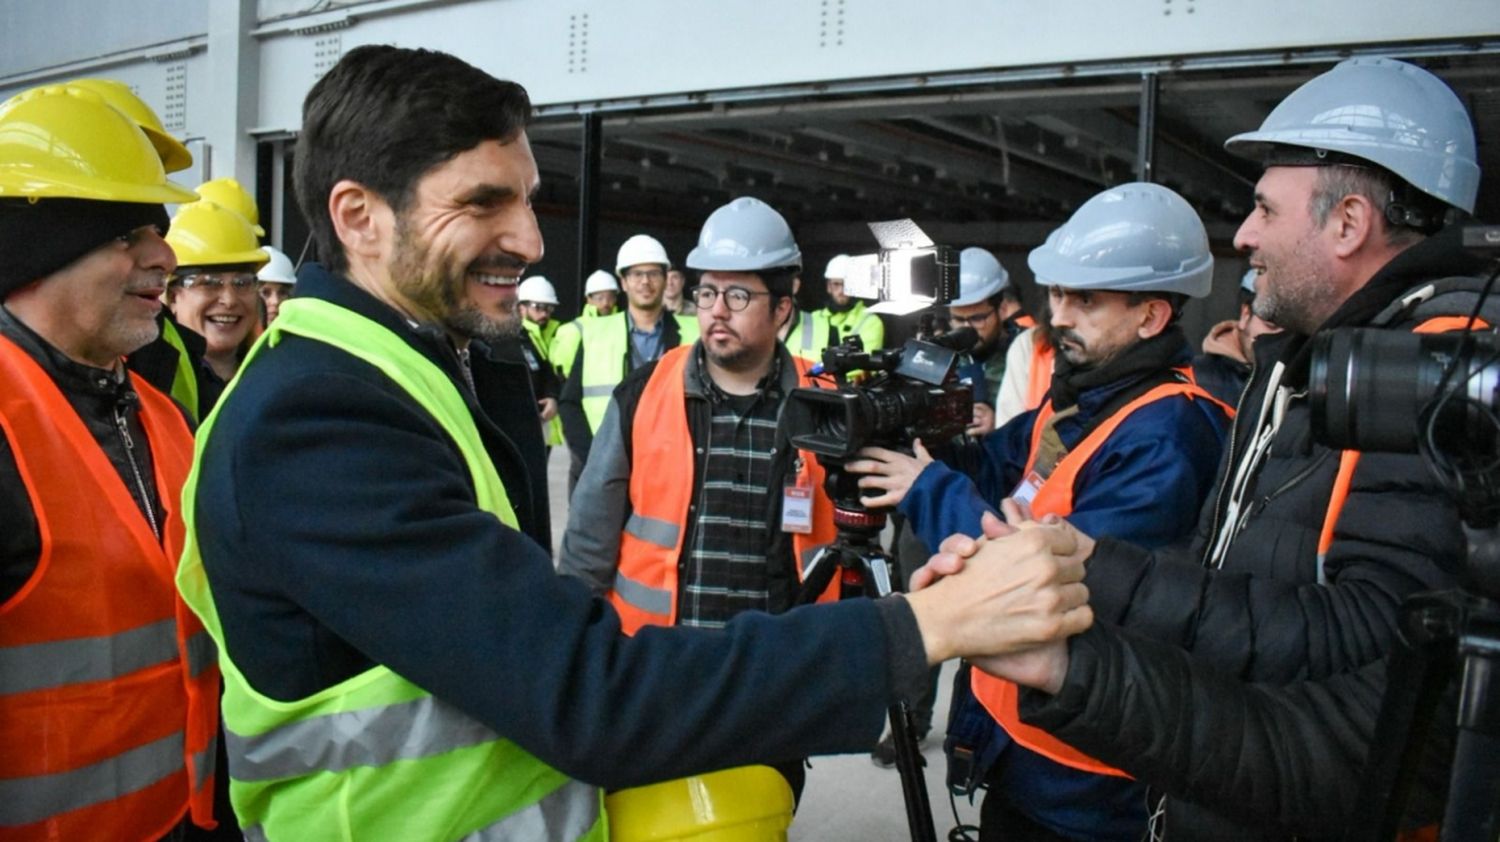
point(847, 798)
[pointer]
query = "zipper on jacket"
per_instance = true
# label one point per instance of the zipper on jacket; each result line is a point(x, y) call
point(135, 469)
point(1234, 429)
point(463, 366)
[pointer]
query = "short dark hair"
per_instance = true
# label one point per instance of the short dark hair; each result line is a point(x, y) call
point(383, 117)
point(779, 281)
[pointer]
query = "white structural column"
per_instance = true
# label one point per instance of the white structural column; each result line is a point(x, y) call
point(233, 90)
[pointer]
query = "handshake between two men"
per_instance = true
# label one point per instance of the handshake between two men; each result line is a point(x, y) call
point(1015, 594)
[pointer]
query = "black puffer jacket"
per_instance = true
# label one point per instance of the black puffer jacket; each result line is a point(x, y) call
point(1264, 616)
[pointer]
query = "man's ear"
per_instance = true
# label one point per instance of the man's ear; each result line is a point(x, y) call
point(1156, 316)
point(362, 220)
point(783, 309)
point(1351, 224)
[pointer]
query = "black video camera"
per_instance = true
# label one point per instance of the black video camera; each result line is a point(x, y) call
point(914, 392)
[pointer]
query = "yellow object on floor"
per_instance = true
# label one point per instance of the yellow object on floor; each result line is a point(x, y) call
point(748, 804)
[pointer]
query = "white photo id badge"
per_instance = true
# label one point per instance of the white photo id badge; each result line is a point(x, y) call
point(796, 509)
point(1027, 488)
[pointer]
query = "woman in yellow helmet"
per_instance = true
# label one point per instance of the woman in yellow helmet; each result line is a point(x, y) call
point(214, 290)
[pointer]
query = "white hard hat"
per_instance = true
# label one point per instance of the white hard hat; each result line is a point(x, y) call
point(746, 235)
point(1137, 237)
point(838, 267)
point(980, 276)
point(279, 270)
point(600, 281)
point(640, 249)
point(537, 290)
point(1387, 112)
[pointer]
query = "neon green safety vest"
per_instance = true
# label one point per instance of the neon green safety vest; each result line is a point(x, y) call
point(541, 335)
point(185, 378)
point(856, 321)
point(809, 334)
point(375, 756)
point(541, 339)
point(606, 340)
point(564, 348)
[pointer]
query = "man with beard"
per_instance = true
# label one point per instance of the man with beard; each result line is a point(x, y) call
point(848, 314)
point(1125, 443)
point(594, 355)
point(691, 449)
point(1296, 571)
point(108, 692)
point(365, 541)
point(988, 303)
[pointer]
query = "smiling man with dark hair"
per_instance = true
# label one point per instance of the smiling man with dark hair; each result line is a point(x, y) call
point(403, 660)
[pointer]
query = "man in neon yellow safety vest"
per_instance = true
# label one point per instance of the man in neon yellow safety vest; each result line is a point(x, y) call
point(365, 541)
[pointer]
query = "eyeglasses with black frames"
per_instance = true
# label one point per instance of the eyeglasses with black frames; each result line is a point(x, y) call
point(735, 298)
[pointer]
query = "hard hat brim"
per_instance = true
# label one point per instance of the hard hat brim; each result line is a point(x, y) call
point(24, 186)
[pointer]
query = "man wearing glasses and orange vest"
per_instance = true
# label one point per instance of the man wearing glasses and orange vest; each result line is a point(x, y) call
point(108, 687)
point(694, 507)
point(1126, 443)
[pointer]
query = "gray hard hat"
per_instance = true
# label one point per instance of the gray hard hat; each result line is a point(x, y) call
point(980, 276)
point(746, 235)
point(1387, 112)
point(1136, 237)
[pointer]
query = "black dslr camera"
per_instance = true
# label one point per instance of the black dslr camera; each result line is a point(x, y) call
point(1436, 394)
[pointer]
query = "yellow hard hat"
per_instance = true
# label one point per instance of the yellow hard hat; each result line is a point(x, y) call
point(69, 143)
point(229, 194)
point(748, 804)
point(206, 233)
point(174, 155)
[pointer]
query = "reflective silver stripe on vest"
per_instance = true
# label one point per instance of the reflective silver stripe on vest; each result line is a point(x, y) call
point(27, 800)
point(205, 761)
point(566, 813)
point(201, 653)
point(807, 557)
point(58, 663)
point(375, 736)
point(807, 331)
point(662, 533)
point(646, 598)
point(599, 391)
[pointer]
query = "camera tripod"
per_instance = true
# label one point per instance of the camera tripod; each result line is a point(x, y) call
point(864, 569)
point(1443, 635)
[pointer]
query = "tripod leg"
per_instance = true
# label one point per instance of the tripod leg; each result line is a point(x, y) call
point(913, 782)
point(1473, 811)
point(1416, 675)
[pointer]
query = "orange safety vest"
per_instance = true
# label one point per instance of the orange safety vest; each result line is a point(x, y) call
point(1040, 375)
point(661, 489)
point(110, 689)
point(1055, 496)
